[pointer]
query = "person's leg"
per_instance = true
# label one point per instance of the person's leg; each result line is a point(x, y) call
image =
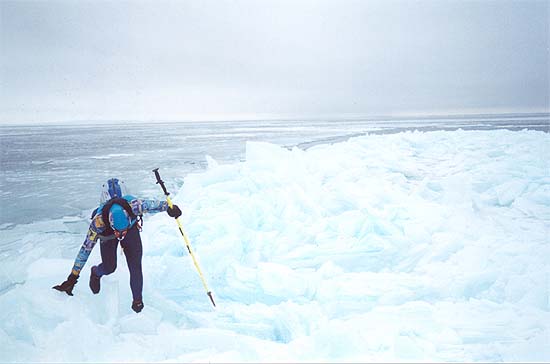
point(133, 251)
point(107, 266)
point(108, 257)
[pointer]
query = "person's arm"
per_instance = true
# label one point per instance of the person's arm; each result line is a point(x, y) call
point(96, 227)
point(140, 207)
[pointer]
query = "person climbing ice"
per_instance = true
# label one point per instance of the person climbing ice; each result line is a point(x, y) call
point(117, 219)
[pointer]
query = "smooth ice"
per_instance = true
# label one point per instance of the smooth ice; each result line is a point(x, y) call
point(416, 246)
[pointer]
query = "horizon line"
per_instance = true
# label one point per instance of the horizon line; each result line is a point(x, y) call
point(273, 117)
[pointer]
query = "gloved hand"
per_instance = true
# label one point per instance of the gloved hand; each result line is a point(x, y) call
point(174, 211)
point(68, 285)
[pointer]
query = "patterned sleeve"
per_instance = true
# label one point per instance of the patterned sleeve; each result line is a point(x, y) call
point(96, 227)
point(141, 207)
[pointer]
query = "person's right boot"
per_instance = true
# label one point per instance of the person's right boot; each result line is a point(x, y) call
point(94, 280)
point(137, 306)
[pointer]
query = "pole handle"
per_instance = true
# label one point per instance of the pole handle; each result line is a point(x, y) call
point(160, 181)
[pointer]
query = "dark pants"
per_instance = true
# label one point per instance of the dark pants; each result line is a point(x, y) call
point(133, 252)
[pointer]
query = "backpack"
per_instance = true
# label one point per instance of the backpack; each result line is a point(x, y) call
point(113, 188)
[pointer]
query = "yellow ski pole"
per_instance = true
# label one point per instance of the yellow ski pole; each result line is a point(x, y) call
point(169, 200)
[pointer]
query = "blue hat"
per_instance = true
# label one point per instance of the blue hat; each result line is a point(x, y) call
point(118, 218)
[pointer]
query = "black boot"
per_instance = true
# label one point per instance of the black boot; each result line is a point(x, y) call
point(94, 280)
point(137, 306)
point(68, 285)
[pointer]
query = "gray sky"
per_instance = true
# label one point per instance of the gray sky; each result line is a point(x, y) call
point(151, 60)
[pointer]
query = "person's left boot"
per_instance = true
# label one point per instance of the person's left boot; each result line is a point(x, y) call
point(137, 306)
point(94, 280)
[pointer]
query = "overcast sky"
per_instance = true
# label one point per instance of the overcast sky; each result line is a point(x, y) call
point(162, 60)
